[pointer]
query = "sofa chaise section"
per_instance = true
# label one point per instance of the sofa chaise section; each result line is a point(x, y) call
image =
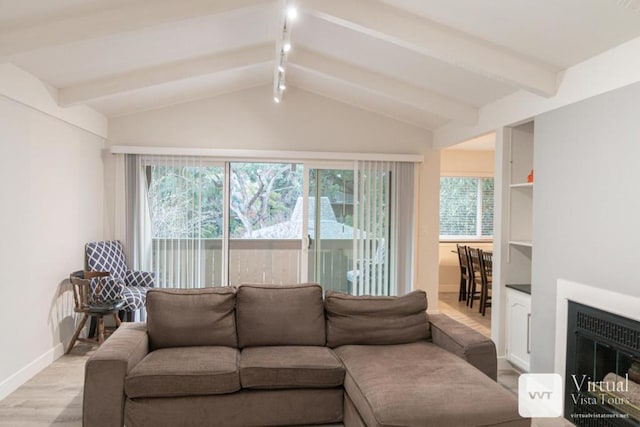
point(421, 384)
point(405, 371)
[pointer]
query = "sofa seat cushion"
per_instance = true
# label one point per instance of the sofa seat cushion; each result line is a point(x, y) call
point(420, 384)
point(290, 367)
point(185, 371)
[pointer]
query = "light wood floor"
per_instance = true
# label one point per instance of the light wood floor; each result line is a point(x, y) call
point(449, 305)
point(51, 398)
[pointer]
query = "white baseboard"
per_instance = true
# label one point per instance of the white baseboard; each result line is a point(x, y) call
point(449, 287)
point(9, 385)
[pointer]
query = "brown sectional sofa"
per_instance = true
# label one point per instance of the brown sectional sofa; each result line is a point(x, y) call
point(261, 355)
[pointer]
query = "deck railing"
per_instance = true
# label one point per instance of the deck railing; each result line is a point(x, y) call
point(198, 262)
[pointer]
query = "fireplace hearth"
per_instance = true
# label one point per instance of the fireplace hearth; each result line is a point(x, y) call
point(602, 368)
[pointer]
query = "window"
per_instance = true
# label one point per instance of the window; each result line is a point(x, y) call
point(466, 207)
point(198, 222)
point(185, 198)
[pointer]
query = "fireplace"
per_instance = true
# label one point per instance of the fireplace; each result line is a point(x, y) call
point(602, 378)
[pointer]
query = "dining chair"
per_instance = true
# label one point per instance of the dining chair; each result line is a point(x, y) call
point(486, 274)
point(463, 261)
point(475, 279)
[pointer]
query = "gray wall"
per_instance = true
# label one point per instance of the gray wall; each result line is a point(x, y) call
point(586, 205)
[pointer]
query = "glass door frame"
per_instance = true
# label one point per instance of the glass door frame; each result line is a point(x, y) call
point(306, 237)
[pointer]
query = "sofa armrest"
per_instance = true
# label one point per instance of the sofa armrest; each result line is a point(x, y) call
point(105, 371)
point(464, 342)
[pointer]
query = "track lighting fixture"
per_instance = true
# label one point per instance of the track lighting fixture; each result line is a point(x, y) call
point(283, 47)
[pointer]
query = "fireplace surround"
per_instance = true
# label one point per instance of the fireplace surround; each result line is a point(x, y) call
point(601, 388)
point(596, 351)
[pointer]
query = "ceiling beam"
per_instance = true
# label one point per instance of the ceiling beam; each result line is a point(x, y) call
point(130, 17)
point(403, 93)
point(437, 41)
point(147, 77)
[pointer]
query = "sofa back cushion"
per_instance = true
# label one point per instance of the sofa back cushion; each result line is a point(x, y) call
point(280, 315)
point(373, 320)
point(191, 317)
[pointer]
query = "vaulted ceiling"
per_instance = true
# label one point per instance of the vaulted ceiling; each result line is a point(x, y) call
point(425, 62)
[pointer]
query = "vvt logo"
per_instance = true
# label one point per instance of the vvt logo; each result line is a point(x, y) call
point(540, 395)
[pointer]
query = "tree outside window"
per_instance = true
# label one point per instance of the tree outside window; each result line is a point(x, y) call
point(466, 207)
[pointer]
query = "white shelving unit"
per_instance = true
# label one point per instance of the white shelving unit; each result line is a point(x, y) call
point(522, 185)
point(515, 240)
point(526, 244)
point(519, 207)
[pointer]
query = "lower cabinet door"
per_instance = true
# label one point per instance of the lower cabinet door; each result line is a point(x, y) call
point(518, 328)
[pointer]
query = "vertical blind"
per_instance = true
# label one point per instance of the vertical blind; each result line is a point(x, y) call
point(176, 210)
point(383, 213)
point(184, 203)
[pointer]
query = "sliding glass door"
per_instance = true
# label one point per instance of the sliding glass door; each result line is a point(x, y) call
point(185, 213)
point(227, 223)
point(265, 226)
point(330, 228)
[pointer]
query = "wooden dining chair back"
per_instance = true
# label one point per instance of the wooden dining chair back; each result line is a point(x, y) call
point(486, 274)
point(475, 279)
point(88, 299)
point(463, 261)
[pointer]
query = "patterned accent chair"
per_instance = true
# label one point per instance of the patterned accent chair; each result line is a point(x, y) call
point(128, 285)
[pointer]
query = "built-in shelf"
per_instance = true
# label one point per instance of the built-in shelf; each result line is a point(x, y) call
point(522, 185)
point(516, 164)
point(526, 243)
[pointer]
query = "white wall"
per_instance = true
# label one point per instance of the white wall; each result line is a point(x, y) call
point(467, 162)
point(250, 119)
point(303, 121)
point(586, 223)
point(51, 189)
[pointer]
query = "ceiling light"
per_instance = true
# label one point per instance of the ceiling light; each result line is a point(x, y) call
point(283, 47)
point(292, 13)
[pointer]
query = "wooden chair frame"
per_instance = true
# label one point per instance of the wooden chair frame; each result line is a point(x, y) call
point(463, 260)
point(475, 280)
point(486, 275)
point(83, 297)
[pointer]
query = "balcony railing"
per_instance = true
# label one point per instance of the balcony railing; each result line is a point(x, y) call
point(198, 262)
